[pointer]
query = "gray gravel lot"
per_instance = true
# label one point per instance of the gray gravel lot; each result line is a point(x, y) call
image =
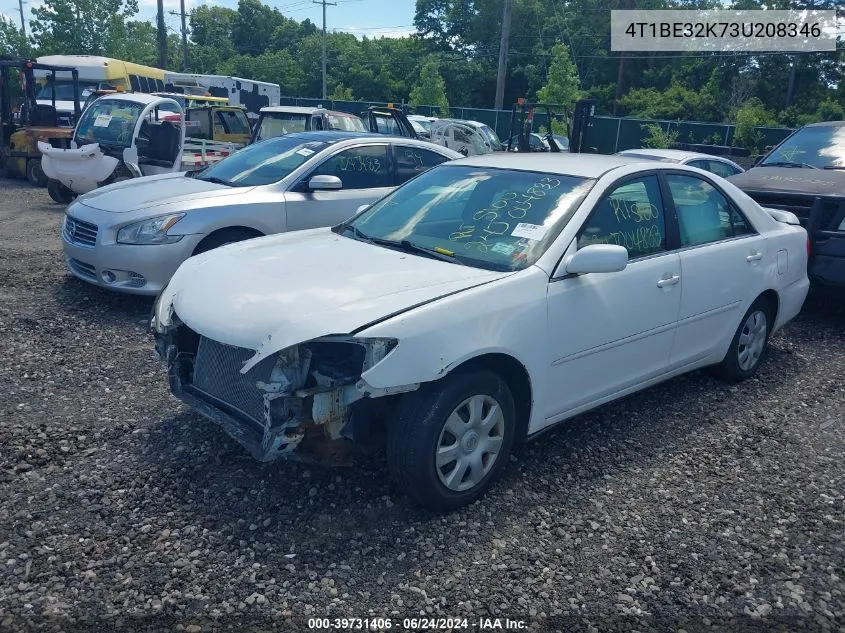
point(693, 505)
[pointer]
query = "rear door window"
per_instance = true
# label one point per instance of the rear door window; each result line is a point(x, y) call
point(412, 161)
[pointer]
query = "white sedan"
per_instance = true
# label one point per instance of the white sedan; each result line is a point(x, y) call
point(476, 306)
point(714, 164)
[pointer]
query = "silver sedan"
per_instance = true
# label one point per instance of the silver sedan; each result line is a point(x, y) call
point(132, 236)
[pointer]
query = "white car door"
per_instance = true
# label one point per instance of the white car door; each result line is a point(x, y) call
point(611, 332)
point(723, 266)
point(367, 174)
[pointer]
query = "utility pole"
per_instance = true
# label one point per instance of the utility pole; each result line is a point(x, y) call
point(503, 56)
point(23, 21)
point(161, 36)
point(184, 39)
point(332, 4)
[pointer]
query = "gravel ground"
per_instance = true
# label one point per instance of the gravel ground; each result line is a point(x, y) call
point(693, 505)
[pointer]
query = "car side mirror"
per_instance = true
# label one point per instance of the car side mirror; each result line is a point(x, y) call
point(325, 183)
point(362, 208)
point(597, 258)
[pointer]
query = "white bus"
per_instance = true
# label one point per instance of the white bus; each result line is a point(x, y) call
point(253, 95)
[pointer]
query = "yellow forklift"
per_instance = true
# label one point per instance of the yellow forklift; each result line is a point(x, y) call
point(24, 121)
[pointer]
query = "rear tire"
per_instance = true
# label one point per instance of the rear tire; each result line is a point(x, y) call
point(748, 345)
point(223, 237)
point(450, 440)
point(59, 193)
point(34, 174)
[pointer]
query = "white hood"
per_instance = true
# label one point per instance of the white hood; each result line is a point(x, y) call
point(270, 293)
point(137, 194)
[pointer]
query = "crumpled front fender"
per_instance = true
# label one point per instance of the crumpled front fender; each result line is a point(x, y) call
point(81, 170)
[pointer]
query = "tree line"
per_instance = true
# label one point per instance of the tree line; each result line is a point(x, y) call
point(559, 51)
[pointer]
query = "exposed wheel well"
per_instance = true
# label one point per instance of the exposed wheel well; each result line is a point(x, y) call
point(773, 301)
point(516, 377)
point(243, 232)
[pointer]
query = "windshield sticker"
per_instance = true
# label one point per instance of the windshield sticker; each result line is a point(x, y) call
point(305, 152)
point(497, 218)
point(534, 232)
point(503, 248)
point(102, 120)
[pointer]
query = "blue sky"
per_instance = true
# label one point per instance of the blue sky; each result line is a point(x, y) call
point(392, 18)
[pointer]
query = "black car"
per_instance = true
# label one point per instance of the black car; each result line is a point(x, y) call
point(805, 174)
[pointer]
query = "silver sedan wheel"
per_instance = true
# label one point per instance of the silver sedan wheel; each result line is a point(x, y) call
point(752, 340)
point(470, 442)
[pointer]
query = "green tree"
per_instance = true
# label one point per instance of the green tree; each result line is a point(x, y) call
point(430, 89)
point(562, 84)
point(658, 137)
point(751, 115)
point(253, 26)
point(79, 27)
point(341, 93)
point(12, 41)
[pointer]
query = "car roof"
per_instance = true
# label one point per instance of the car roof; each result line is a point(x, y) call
point(338, 136)
point(827, 124)
point(564, 163)
point(138, 97)
point(304, 110)
point(668, 154)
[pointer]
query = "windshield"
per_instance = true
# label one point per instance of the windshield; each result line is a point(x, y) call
point(820, 147)
point(64, 90)
point(275, 124)
point(491, 137)
point(561, 141)
point(262, 163)
point(488, 218)
point(109, 121)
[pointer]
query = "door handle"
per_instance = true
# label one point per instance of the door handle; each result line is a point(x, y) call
point(754, 257)
point(668, 281)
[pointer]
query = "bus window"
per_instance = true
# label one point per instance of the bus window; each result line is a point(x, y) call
point(136, 85)
point(145, 86)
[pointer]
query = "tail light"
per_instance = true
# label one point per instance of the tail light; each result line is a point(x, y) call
point(808, 247)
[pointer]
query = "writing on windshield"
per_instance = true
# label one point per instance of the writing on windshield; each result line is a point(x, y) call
point(497, 219)
point(820, 147)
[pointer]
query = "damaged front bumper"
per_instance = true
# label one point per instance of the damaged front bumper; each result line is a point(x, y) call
point(301, 403)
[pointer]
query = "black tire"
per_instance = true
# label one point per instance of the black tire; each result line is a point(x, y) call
point(415, 433)
point(34, 174)
point(732, 368)
point(59, 193)
point(223, 237)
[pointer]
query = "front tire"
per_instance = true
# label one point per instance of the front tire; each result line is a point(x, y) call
point(450, 440)
point(34, 174)
point(59, 193)
point(749, 343)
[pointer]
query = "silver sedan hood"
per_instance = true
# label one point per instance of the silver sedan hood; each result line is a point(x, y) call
point(148, 192)
point(270, 293)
